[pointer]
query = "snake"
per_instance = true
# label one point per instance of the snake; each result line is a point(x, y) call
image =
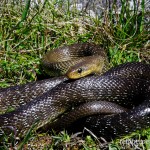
point(41, 102)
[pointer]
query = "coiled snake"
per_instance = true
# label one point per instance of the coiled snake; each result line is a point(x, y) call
point(43, 101)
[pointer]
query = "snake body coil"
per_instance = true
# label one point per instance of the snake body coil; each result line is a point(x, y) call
point(127, 85)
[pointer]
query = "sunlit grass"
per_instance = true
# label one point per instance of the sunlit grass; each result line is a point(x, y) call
point(26, 33)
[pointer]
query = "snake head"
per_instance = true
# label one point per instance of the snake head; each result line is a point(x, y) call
point(86, 67)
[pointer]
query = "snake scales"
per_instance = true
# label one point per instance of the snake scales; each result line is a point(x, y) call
point(127, 85)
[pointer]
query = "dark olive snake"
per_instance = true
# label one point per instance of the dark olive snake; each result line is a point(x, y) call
point(128, 85)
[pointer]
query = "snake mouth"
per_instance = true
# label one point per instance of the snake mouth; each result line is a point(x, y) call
point(90, 65)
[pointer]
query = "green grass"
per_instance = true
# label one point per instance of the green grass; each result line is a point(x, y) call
point(26, 33)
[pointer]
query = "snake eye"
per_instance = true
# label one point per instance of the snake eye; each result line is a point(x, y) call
point(79, 70)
